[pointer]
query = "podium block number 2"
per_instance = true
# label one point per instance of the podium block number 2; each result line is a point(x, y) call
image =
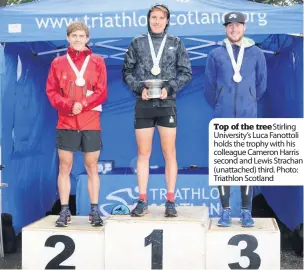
point(69, 248)
point(248, 251)
point(156, 240)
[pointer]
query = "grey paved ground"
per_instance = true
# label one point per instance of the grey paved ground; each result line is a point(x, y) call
point(290, 261)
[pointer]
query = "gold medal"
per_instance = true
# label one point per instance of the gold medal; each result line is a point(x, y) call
point(155, 70)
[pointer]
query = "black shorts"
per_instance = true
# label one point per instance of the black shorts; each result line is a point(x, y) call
point(147, 118)
point(73, 140)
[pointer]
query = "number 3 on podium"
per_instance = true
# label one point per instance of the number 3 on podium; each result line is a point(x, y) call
point(248, 251)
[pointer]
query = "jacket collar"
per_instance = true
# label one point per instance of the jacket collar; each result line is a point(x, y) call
point(79, 54)
point(159, 35)
point(248, 42)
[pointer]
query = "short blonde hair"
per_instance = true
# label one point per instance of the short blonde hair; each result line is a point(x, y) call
point(77, 25)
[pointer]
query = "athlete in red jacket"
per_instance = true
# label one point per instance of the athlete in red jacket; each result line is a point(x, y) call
point(76, 87)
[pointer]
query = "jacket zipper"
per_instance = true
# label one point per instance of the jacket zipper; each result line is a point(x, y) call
point(84, 91)
point(236, 88)
point(235, 96)
point(77, 122)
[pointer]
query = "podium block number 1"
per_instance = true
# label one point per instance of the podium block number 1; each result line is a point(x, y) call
point(152, 244)
point(156, 240)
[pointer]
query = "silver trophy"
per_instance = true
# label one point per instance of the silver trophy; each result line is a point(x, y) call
point(154, 87)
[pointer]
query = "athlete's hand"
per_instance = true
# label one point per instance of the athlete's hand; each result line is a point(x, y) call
point(77, 108)
point(144, 94)
point(164, 93)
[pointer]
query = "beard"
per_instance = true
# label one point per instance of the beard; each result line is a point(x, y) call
point(234, 40)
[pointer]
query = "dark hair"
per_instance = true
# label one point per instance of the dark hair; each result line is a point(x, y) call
point(162, 8)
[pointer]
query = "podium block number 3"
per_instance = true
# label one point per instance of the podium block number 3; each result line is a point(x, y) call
point(156, 240)
point(69, 248)
point(252, 244)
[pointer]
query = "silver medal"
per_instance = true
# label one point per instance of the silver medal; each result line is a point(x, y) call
point(236, 65)
point(80, 81)
point(237, 77)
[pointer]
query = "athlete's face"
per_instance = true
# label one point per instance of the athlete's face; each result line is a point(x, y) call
point(158, 21)
point(235, 32)
point(78, 40)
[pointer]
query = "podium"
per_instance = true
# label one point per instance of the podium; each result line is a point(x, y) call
point(156, 242)
point(235, 247)
point(190, 241)
point(78, 246)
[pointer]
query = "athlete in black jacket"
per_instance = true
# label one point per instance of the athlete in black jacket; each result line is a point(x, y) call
point(172, 66)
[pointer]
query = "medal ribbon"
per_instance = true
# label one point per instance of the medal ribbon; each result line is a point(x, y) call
point(156, 59)
point(236, 65)
point(79, 74)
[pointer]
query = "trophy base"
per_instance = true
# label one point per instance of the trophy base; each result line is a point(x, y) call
point(154, 92)
point(156, 96)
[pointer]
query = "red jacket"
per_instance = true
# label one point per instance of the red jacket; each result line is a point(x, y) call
point(63, 92)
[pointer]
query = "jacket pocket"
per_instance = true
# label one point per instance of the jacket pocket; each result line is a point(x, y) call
point(65, 89)
point(220, 91)
point(71, 90)
point(254, 98)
